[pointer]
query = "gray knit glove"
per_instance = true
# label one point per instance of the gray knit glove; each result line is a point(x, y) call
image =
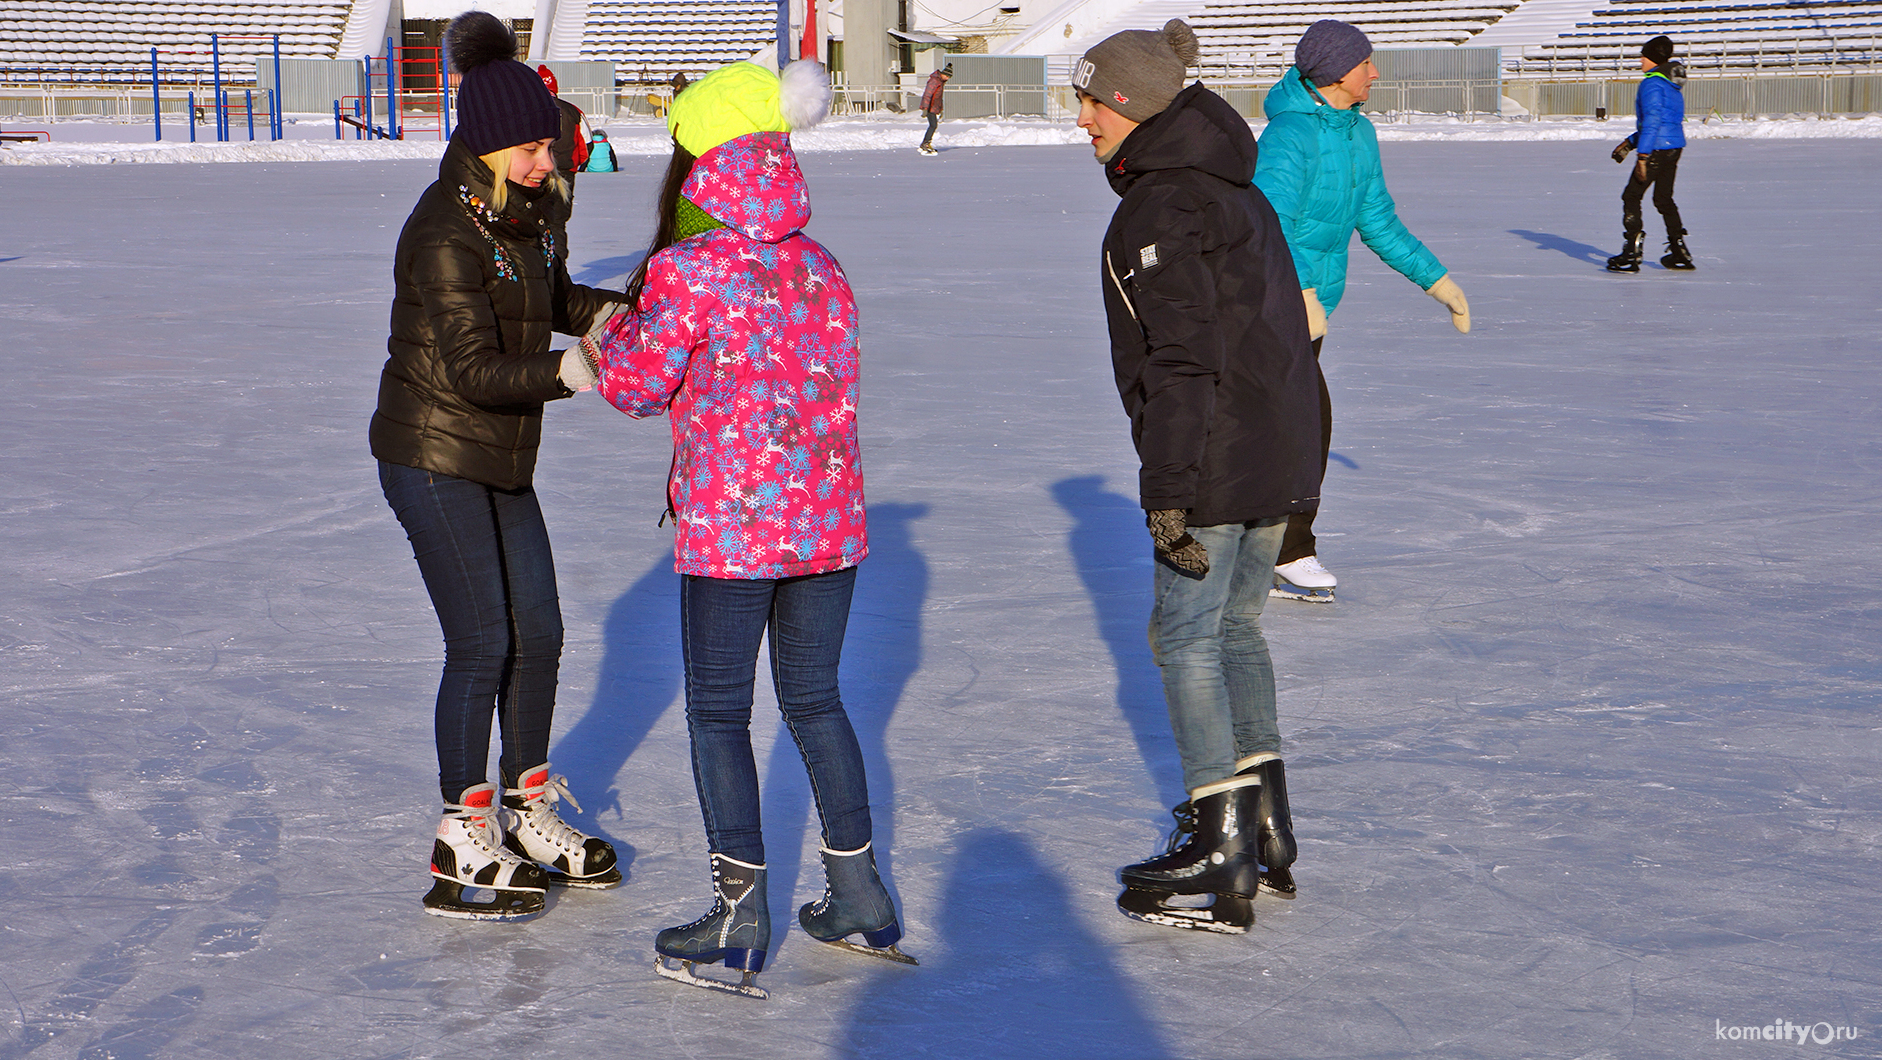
point(1174, 545)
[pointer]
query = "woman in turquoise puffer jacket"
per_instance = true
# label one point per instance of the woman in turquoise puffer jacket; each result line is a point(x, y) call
point(1318, 164)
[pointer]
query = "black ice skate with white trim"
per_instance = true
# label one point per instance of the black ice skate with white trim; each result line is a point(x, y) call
point(854, 903)
point(469, 853)
point(1274, 823)
point(1216, 857)
point(735, 933)
point(537, 832)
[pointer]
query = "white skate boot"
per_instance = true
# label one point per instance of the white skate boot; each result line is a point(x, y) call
point(1304, 580)
point(469, 852)
point(537, 832)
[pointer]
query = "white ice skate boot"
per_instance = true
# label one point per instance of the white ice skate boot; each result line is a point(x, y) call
point(469, 852)
point(1304, 580)
point(537, 832)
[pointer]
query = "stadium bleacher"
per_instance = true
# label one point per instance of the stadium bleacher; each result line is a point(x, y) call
point(651, 40)
point(110, 40)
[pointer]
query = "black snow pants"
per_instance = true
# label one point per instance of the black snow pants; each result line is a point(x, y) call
point(1661, 168)
point(1298, 542)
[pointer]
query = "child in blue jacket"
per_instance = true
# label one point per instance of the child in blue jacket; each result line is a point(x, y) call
point(1659, 136)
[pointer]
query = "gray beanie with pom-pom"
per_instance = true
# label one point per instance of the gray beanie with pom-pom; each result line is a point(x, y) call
point(1139, 71)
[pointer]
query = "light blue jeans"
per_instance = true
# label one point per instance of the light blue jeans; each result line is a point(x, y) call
point(1206, 636)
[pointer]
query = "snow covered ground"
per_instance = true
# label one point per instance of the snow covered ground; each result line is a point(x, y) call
point(1584, 761)
point(310, 137)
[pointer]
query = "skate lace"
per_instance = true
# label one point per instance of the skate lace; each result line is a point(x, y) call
point(547, 822)
point(485, 826)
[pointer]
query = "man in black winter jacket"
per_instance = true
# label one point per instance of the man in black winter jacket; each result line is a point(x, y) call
point(1210, 349)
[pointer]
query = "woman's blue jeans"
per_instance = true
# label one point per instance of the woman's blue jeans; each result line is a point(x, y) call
point(484, 555)
point(1206, 636)
point(721, 623)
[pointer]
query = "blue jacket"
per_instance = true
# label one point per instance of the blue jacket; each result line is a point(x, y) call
point(1660, 111)
point(1320, 169)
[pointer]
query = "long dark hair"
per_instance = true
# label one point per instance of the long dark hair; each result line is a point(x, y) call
point(678, 170)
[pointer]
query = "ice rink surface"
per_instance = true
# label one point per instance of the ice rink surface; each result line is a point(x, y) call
point(1584, 761)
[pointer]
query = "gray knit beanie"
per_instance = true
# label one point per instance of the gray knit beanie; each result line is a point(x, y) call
point(1329, 50)
point(1139, 71)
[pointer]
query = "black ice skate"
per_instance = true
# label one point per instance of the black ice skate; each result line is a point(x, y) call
point(1274, 824)
point(1628, 260)
point(854, 902)
point(736, 932)
point(469, 852)
point(1677, 256)
point(1217, 857)
point(537, 832)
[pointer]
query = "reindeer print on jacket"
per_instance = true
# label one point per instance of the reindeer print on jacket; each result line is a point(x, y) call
point(747, 334)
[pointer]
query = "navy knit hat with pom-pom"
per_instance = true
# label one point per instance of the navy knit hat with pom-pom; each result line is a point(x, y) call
point(501, 102)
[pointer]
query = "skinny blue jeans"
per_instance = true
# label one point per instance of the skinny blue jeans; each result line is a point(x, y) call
point(484, 555)
point(1205, 633)
point(722, 621)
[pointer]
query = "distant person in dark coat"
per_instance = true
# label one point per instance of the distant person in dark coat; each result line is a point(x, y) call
point(571, 147)
point(931, 105)
point(1659, 137)
point(1211, 357)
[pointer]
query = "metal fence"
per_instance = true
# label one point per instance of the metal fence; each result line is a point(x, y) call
point(1824, 94)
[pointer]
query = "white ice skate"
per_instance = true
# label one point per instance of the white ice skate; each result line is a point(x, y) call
point(537, 832)
point(469, 852)
point(1304, 580)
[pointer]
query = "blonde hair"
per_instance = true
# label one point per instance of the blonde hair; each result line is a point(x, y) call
point(499, 163)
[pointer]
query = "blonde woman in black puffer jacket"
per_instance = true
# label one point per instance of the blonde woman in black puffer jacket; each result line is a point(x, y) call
point(481, 285)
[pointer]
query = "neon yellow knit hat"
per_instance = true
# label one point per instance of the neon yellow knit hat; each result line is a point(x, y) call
point(744, 98)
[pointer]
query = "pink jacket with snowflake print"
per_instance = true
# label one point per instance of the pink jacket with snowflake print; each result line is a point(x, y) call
point(747, 334)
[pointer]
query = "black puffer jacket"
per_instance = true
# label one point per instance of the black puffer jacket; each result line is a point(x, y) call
point(477, 297)
point(1208, 330)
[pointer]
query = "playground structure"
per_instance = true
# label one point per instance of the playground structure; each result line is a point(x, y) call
point(221, 106)
point(408, 86)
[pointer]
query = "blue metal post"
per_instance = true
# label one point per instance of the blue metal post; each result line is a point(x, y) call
point(392, 110)
point(784, 33)
point(248, 104)
point(337, 134)
point(215, 59)
point(274, 100)
point(366, 98)
point(363, 119)
point(192, 115)
point(444, 72)
point(156, 98)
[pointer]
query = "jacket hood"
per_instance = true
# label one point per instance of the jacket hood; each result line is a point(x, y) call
point(1198, 130)
point(1673, 70)
point(1292, 94)
point(752, 185)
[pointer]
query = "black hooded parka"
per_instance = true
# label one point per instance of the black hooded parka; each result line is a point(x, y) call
point(1208, 328)
point(477, 296)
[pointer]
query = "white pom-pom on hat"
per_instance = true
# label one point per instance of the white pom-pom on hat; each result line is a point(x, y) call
point(805, 95)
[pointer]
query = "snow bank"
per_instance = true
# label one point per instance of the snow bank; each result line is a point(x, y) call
point(648, 137)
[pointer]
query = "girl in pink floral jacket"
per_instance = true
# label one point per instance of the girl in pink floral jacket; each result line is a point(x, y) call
point(744, 330)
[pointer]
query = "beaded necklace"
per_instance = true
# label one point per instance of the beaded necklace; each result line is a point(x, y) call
point(506, 265)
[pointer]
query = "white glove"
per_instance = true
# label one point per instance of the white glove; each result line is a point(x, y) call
point(1448, 293)
point(575, 372)
point(1316, 315)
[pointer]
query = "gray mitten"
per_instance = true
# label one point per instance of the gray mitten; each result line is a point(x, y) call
point(1169, 529)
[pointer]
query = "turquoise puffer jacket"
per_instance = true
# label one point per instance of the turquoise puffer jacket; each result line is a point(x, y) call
point(1320, 169)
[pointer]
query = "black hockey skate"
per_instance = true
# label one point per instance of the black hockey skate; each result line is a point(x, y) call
point(736, 932)
point(854, 902)
point(1677, 256)
point(1628, 260)
point(538, 833)
point(1216, 857)
point(469, 852)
